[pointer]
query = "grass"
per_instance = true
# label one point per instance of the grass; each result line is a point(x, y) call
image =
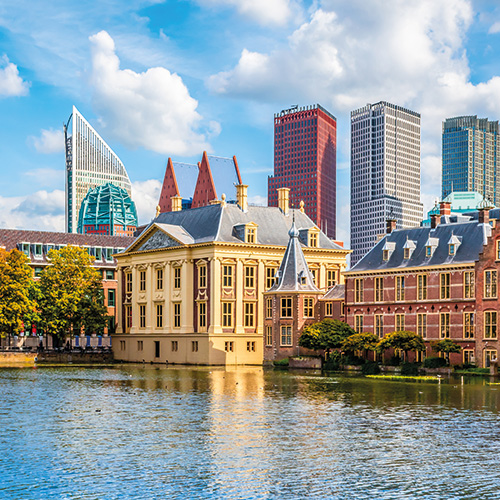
point(492, 383)
point(417, 378)
point(473, 371)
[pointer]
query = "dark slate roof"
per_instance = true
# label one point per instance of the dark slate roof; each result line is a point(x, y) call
point(472, 235)
point(294, 274)
point(337, 292)
point(474, 215)
point(217, 223)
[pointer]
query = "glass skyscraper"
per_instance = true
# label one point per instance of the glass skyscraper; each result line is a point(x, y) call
point(385, 172)
point(90, 162)
point(470, 152)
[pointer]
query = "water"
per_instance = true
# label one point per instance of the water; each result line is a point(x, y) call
point(148, 433)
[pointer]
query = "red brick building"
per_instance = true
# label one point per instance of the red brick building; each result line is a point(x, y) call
point(438, 281)
point(305, 160)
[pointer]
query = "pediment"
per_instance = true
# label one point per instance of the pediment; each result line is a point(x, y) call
point(158, 239)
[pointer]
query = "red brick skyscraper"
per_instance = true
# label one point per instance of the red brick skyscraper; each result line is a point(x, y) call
point(305, 160)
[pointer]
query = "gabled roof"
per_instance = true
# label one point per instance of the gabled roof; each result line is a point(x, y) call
point(216, 223)
point(473, 236)
point(337, 292)
point(294, 274)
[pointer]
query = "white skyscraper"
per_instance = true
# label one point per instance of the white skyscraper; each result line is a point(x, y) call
point(90, 162)
point(385, 172)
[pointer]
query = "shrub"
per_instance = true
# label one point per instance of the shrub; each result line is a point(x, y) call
point(281, 362)
point(352, 360)
point(393, 361)
point(370, 368)
point(434, 362)
point(409, 369)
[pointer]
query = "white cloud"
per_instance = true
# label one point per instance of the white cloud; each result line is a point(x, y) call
point(494, 28)
point(46, 177)
point(41, 210)
point(11, 84)
point(267, 12)
point(146, 195)
point(258, 200)
point(50, 141)
point(152, 110)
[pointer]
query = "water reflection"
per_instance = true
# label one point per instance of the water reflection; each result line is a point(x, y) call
point(140, 431)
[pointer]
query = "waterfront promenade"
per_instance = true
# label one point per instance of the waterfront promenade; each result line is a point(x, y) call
point(151, 432)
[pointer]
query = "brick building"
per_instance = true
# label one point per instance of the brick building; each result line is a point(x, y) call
point(438, 281)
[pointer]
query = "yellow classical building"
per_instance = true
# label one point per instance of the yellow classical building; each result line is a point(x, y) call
point(191, 286)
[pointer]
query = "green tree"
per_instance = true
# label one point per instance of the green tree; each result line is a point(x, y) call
point(16, 279)
point(327, 334)
point(71, 294)
point(446, 346)
point(404, 341)
point(360, 342)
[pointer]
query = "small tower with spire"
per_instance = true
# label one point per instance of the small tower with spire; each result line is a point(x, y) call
point(290, 304)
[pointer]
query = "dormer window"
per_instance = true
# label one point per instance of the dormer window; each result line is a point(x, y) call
point(451, 249)
point(407, 253)
point(246, 232)
point(313, 240)
point(25, 248)
point(250, 235)
point(302, 278)
point(38, 250)
point(430, 245)
point(387, 250)
point(428, 251)
point(385, 255)
point(453, 244)
point(408, 249)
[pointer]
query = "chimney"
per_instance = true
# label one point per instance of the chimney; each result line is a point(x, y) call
point(283, 199)
point(176, 203)
point(391, 225)
point(241, 196)
point(444, 208)
point(484, 216)
point(435, 220)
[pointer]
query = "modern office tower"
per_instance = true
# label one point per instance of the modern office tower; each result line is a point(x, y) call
point(90, 162)
point(470, 151)
point(385, 172)
point(108, 210)
point(305, 161)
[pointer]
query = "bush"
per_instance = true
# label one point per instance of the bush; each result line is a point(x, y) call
point(393, 361)
point(352, 360)
point(281, 362)
point(434, 362)
point(370, 368)
point(409, 369)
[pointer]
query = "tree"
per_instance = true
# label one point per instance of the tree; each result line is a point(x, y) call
point(360, 342)
point(71, 294)
point(403, 340)
point(327, 334)
point(16, 279)
point(446, 346)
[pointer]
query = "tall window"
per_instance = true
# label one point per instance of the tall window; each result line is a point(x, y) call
point(422, 287)
point(331, 278)
point(128, 317)
point(379, 325)
point(400, 288)
point(227, 276)
point(358, 323)
point(251, 233)
point(159, 279)
point(422, 325)
point(468, 325)
point(286, 307)
point(490, 325)
point(269, 335)
point(469, 358)
point(445, 286)
point(286, 335)
point(229, 346)
point(142, 281)
point(308, 307)
point(329, 309)
point(249, 277)
point(400, 322)
point(444, 325)
point(177, 278)
point(498, 249)
point(177, 314)
point(128, 282)
point(111, 297)
point(194, 345)
point(358, 290)
point(379, 289)
point(270, 272)
point(175, 345)
point(313, 240)
point(489, 356)
point(159, 315)
point(315, 275)
point(142, 316)
point(249, 314)
point(227, 314)
point(469, 285)
point(269, 308)
point(202, 314)
point(490, 284)
point(202, 276)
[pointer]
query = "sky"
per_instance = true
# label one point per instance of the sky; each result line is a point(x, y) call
point(177, 77)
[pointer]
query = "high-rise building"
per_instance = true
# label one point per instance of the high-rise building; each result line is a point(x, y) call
point(305, 161)
point(385, 172)
point(471, 148)
point(90, 162)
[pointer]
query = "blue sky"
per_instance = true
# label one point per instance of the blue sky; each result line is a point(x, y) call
point(174, 77)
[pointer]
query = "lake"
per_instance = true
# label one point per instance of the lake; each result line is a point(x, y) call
point(148, 432)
